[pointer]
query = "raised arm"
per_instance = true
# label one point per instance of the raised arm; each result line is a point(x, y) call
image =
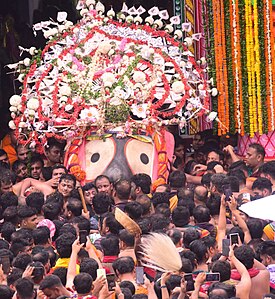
point(221, 223)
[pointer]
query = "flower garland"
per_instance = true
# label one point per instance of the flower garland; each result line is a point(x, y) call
point(261, 30)
point(104, 74)
point(257, 67)
point(270, 71)
point(228, 48)
point(234, 12)
point(243, 55)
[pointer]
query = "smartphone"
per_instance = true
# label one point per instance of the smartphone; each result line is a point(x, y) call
point(5, 262)
point(225, 247)
point(246, 196)
point(234, 238)
point(139, 275)
point(189, 282)
point(212, 277)
point(101, 272)
point(111, 280)
point(227, 192)
point(82, 237)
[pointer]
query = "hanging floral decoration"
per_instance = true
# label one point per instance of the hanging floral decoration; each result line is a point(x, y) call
point(108, 73)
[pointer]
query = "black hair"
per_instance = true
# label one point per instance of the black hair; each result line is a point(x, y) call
point(189, 255)
point(74, 205)
point(145, 225)
point(175, 235)
point(35, 200)
point(213, 203)
point(187, 266)
point(14, 275)
point(58, 166)
point(22, 260)
point(267, 248)
point(123, 189)
point(51, 211)
point(38, 272)
point(10, 215)
point(102, 203)
point(177, 179)
point(234, 183)
point(24, 288)
point(201, 214)
point(209, 241)
point(224, 268)
point(26, 212)
point(4, 244)
point(159, 222)
point(62, 274)
point(110, 222)
point(83, 283)
point(245, 255)
point(143, 181)
point(110, 245)
point(255, 227)
point(89, 186)
point(126, 237)
point(211, 165)
point(163, 209)
point(200, 250)
point(268, 168)
point(82, 223)
point(41, 235)
point(68, 177)
point(239, 174)
point(189, 236)
point(206, 179)
point(55, 197)
point(126, 284)
point(50, 281)
point(6, 292)
point(145, 202)
point(90, 266)
point(160, 197)
point(134, 210)
point(261, 184)
point(6, 231)
point(229, 289)
point(42, 256)
point(8, 199)
point(18, 246)
point(124, 265)
point(52, 255)
point(67, 228)
point(180, 216)
point(64, 245)
point(218, 180)
point(259, 148)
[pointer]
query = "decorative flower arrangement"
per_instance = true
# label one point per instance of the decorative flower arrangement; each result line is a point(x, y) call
point(108, 73)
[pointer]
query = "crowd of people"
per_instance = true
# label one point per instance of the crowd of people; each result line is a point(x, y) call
point(57, 244)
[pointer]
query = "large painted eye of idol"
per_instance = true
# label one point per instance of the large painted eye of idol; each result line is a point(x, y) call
point(119, 157)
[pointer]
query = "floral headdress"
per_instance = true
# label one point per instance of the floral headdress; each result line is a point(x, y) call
point(108, 73)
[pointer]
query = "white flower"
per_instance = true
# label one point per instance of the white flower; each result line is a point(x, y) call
point(104, 47)
point(15, 100)
point(169, 28)
point(149, 20)
point(139, 77)
point(178, 34)
point(12, 125)
point(139, 110)
point(33, 104)
point(200, 86)
point(33, 50)
point(22, 124)
point(90, 2)
point(31, 112)
point(61, 28)
point(188, 41)
point(89, 114)
point(115, 101)
point(68, 24)
point(178, 87)
point(69, 107)
point(129, 19)
point(159, 23)
point(108, 79)
point(100, 7)
point(111, 13)
point(63, 99)
point(83, 11)
point(65, 90)
point(138, 20)
point(21, 78)
point(27, 61)
point(214, 92)
point(212, 116)
point(13, 108)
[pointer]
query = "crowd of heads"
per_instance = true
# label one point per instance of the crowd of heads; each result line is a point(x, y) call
point(45, 223)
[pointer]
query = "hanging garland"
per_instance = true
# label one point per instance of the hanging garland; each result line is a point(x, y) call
point(228, 24)
point(262, 56)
